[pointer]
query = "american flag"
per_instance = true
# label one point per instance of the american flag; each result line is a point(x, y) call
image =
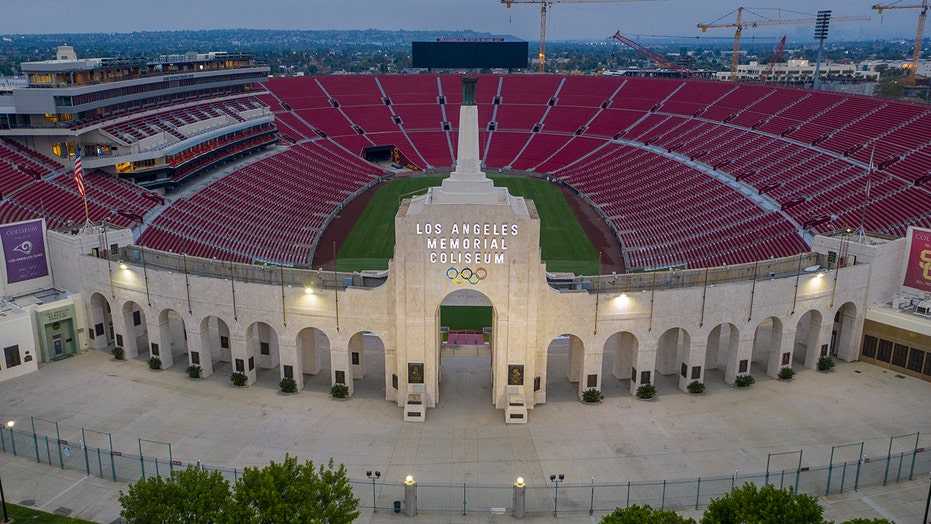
point(79, 173)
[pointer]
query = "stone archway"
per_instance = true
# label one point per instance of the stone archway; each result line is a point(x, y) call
point(845, 333)
point(721, 351)
point(464, 358)
point(564, 360)
point(262, 351)
point(367, 362)
point(620, 353)
point(214, 352)
point(100, 322)
point(807, 346)
point(313, 358)
point(672, 353)
point(173, 339)
point(767, 344)
point(135, 331)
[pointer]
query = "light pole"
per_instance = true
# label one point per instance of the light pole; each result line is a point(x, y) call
point(9, 426)
point(556, 479)
point(375, 476)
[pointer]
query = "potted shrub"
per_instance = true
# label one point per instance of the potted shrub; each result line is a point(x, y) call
point(239, 378)
point(194, 371)
point(695, 387)
point(825, 363)
point(288, 385)
point(118, 353)
point(155, 363)
point(339, 391)
point(744, 381)
point(646, 392)
point(786, 374)
point(592, 396)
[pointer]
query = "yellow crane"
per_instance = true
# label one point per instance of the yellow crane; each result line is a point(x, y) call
point(922, 17)
point(543, 8)
point(740, 24)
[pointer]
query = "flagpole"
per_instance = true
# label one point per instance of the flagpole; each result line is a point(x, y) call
point(866, 200)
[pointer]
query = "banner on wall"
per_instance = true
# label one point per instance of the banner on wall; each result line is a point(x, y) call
point(24, 251)
point(918, 268)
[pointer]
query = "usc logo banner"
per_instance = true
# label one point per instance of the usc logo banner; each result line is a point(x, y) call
point(918, 270)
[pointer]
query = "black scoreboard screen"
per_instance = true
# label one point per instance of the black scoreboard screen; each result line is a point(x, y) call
point(470, 54)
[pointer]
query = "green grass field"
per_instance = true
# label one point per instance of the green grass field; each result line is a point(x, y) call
point(565, 246)
point(466, 317)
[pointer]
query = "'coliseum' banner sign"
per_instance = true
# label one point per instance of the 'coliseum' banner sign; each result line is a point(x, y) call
point(918, 270)
point(24, 251)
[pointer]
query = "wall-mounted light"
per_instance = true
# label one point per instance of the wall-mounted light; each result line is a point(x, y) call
point(309, 290)
point(122, 264)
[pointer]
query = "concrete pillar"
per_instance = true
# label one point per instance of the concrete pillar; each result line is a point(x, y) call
point(410, 496)
point(591, 372)
point(287, 350)
point(738, 362)
point(194, 340)
point(155, 333)
point(242, 353)
point(356, 356)
point(781, 357)
point(519, 502)
point(125, 333)
point(644, 362)
point(694, 358)
point(576, 359)
point(848, 342)
point(96, 314)
point(340, 362)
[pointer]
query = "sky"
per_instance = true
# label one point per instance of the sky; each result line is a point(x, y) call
point(569, 21)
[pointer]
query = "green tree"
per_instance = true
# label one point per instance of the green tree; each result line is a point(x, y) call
point(191, 495)
point(293, 493)
point(893, 88)
point(765, 505)
point(644, 515)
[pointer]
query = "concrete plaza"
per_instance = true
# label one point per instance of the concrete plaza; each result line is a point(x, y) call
point(465, 440)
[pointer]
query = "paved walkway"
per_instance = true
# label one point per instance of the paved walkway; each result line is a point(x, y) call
point(465, 440)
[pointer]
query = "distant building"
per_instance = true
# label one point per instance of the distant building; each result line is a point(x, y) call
point(798, 71)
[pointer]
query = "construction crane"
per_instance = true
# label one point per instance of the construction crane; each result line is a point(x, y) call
point(919, 36)
point(658, 58)
point(777, 55)
point(543, 8)
point(741, 23)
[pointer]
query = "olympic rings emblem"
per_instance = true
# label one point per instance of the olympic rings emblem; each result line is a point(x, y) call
point(461, 276)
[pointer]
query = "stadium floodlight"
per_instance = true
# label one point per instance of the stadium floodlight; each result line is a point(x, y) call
point(821, 34)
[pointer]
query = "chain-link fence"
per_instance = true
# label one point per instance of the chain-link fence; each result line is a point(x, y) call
point(94, 453)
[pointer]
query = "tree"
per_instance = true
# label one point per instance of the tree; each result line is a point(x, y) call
point(644, 515)
point(763, 505)
point(893, 88)
point(293, 493)
point(191, 495)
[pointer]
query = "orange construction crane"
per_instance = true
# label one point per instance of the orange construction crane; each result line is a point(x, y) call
point(543, 8)
point(777, 55)
point(919, 36)
point(741, 23)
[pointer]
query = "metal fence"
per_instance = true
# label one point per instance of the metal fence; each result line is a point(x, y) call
point(850, 469)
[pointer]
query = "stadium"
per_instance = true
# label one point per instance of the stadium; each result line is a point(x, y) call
point(386, 235)
point(219, 202)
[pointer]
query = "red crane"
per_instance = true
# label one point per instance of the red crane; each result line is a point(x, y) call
point(777, 55)
point(656, 57)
